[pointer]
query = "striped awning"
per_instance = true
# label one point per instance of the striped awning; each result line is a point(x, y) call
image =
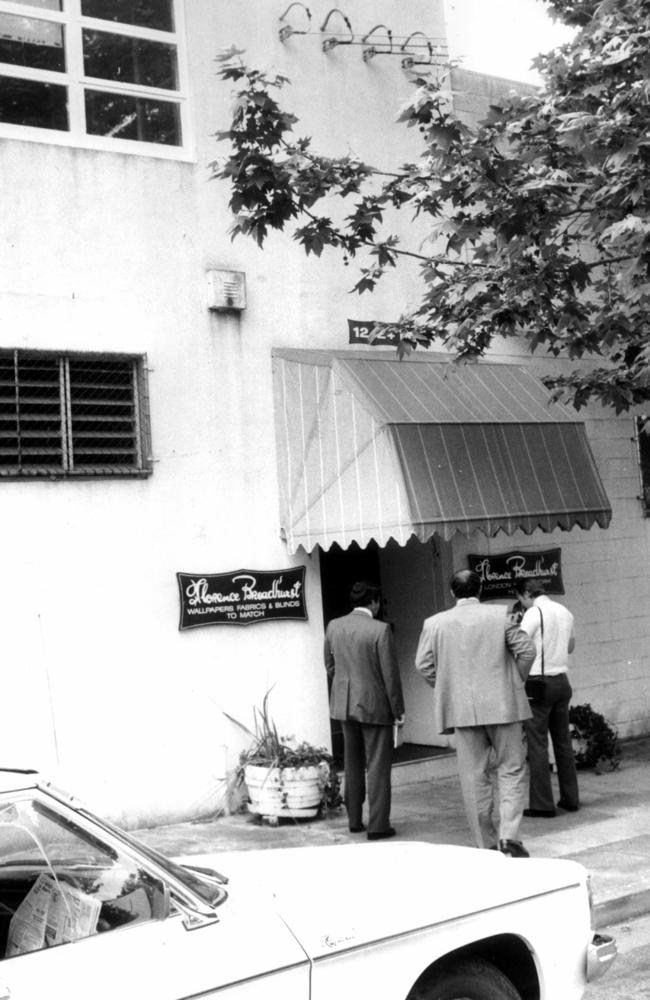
point(370, 447)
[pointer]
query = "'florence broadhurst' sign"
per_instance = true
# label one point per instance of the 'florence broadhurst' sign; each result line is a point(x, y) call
point(242, 597)
point(499, 573)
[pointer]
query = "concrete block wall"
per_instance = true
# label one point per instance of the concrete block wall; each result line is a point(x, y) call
point(606, 573)
point(606, 576)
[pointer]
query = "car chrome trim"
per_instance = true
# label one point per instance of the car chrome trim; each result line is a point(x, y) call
point(424, 928)
point(601, 952)
point(192, 919)
point(258, 977)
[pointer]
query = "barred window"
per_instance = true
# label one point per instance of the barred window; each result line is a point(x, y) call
point(73, 415)
point(99, 73)
point(642, 426)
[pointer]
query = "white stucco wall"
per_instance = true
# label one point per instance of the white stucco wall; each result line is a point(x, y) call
point(107, 251)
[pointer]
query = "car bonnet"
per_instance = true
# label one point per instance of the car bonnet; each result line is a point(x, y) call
point(340, 897)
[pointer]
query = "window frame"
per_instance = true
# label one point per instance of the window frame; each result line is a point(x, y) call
point(65, 871)
point(141, 419)
point(73, 23)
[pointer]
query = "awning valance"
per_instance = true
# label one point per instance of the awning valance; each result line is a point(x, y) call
point(370, 447)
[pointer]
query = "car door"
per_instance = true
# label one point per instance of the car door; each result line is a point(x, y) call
point(83, 916)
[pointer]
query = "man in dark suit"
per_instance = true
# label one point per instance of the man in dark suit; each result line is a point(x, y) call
point(366, 696)
point(478, 661)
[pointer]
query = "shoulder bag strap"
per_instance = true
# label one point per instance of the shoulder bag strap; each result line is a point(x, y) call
point(541, 622)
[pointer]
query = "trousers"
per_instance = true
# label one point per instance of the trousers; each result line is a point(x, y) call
point(551, 717)
point(493, 780)
point(368, 755)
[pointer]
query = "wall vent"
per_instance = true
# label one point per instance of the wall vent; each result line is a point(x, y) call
point(226, 291)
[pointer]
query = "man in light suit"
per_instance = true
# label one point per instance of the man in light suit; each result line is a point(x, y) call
point(366, 696)
point(477, 661)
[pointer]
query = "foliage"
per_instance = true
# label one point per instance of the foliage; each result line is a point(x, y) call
point(269, 749)
point(595, 740)
point(539, 218)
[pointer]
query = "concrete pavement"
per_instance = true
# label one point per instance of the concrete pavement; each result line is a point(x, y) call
point(610, 835)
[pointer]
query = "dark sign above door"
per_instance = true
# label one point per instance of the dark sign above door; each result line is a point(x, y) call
point(499, 573)
point(370, 332)
point(242, 597)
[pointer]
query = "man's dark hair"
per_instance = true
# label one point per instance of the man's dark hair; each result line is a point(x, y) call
point(530, 586)
point(465, 583)
point(363, 594)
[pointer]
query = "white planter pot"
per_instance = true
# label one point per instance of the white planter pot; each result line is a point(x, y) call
point(289, 791)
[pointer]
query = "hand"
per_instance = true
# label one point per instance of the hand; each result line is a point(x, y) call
point(399, 721)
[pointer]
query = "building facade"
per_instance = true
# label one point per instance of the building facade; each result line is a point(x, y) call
point(144, 434)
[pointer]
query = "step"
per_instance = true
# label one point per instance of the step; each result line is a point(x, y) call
point(442, 765)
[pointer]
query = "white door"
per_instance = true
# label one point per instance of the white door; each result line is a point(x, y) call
point(413, 586)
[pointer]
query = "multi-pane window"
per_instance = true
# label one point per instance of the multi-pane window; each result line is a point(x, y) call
point(72, 415)
point(642, 425)
point(105, 73)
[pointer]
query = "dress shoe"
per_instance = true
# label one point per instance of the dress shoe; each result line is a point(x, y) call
point(567, 807)
point(357, 829)
point(382, 834)
point(540, 813)
point(513, 849)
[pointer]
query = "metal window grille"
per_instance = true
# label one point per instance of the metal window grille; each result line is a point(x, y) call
point(642, 427)
point(73, 415)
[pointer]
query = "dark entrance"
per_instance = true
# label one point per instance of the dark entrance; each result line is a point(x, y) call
point(339, 570)
point(413, 579)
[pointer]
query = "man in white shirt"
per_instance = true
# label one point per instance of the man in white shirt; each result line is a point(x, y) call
point(550, 626)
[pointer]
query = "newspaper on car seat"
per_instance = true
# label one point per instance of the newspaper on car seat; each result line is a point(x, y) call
point(51, 913)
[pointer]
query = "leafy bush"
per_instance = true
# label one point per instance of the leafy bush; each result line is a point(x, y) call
point(595, 741)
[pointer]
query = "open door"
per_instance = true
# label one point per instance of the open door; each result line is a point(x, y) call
point(415, 585)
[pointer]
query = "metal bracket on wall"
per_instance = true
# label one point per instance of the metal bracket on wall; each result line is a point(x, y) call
point(287, 30)
point(372, 50)
point(333, 41)
point(409, 61)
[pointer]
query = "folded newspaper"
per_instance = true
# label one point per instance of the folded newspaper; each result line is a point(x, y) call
point(51, 913)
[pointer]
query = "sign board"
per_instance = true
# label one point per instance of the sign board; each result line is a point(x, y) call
point(499, 573)
point(370, 332)
point(242, 597)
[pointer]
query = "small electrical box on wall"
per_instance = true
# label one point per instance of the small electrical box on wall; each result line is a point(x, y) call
point(226, 291)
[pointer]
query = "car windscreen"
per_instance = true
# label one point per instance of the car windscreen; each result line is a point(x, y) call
point(203, 882)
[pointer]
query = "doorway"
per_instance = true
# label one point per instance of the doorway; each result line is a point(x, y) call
point(413, 579)
point(339, 570)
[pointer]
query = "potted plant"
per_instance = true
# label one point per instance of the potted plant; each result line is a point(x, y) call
point(285, 778)
point(595, 742)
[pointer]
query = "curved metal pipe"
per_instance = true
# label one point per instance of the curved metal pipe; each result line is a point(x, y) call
point(409, 61)
point(287, 30)
point(372, 50)
point(332, 42)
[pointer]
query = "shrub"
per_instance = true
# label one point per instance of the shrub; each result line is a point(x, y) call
point(595, 741)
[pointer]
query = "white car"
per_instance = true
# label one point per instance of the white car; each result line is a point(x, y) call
point(89, 913)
